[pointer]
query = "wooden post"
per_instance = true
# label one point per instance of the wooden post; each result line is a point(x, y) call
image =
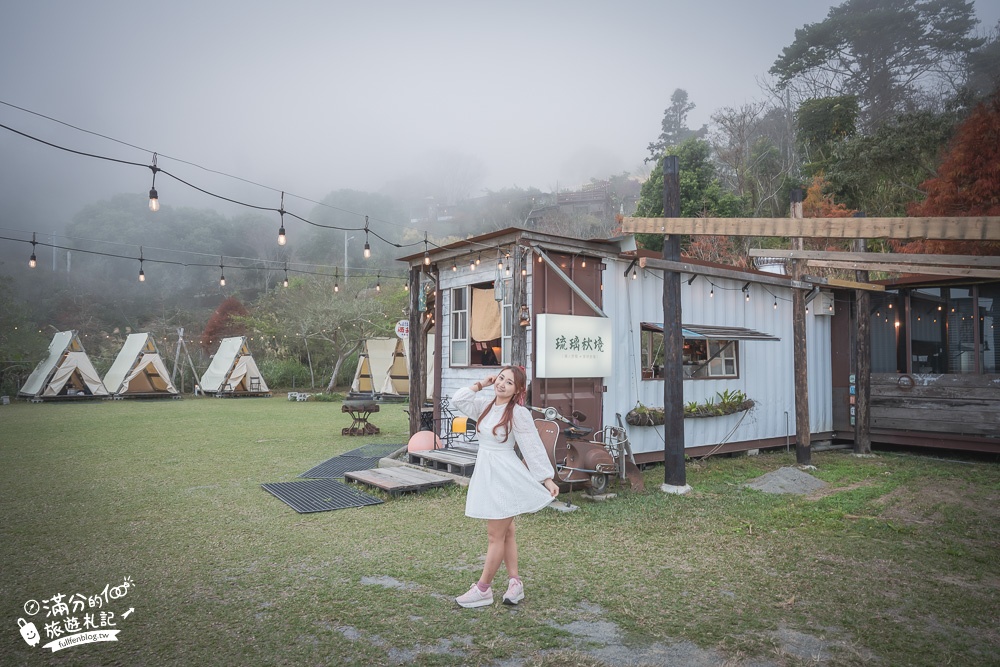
point(417, 347)
point(519, 334)
point(675, 475)
point(863, 364)
point(803, 453)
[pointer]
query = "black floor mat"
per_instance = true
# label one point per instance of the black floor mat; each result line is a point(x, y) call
point(374, 449)
point(338, 465)
point(319, 495)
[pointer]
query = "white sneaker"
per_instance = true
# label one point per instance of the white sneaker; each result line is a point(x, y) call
point(475, 597)
point(515, 592)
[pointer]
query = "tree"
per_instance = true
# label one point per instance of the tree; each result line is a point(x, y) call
point(882, 51)
point(967, 182)
point(984, 66)
point(821, 124)
point(674, 126)
point(224, 323)
point(879, 174)
point(22, 347)
point(702, 195)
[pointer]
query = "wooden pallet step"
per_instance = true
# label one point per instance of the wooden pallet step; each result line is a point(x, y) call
point(456, 462)
point(397, 480)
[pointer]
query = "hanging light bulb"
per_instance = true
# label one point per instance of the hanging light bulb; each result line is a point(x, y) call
point(427, 254)
point(154, 199)
point(634, 274)
point(368, 248)
point(222, 268)
point(524, 271)
point(378, 284)
point(222, 280)
point(32, 261)
point(281, 214)
point(142, 274)
point(499, 264)
point(776, 303)
point(479, 259)
point(406, 287)
point(583, 262)
point(746, 291)
point(454, 267)
point(472, 264)
point(711, 292)
point(285, 284)
point(336, 282)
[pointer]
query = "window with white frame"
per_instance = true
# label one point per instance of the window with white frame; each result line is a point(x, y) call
point(701, 357)
point(481, 325)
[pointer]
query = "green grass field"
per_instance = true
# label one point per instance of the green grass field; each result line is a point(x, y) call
point(895, 564)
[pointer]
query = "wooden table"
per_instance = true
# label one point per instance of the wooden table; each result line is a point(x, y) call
point(359, 411)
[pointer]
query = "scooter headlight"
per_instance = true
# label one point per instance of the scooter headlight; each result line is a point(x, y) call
point(551, 414)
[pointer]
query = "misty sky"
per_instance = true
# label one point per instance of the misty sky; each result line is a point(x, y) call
point(311, 97)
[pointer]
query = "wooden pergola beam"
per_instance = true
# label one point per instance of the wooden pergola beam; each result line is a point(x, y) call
point(715, 272)
point(981, 261)
point(901, 268)
point(839, 282)
point(984, 228)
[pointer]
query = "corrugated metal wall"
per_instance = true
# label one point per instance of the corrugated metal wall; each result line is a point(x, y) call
point(766, 367)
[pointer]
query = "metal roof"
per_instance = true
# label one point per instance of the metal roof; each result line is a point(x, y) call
point(714, 332)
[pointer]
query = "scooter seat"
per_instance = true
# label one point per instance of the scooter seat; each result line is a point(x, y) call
point(577, 431)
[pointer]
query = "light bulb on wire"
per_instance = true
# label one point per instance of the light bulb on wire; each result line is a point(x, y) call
point(222, 268)
point(32, 261)
point(142, 274)
point(368, 248)
point(154, 199)
point(281, 228)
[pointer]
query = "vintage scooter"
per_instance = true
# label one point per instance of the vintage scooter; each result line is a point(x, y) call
point(584, 461)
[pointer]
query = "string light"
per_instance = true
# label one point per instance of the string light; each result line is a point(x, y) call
point(285, 284)
point(583, 262)
point(472, 264)
point(406, 286)
point(336, 282)
point(776, 303)
point(711, 292)
point(368, 248)
point(427, 254)
point(378, 283)
point(32, 262)
point(746, 292)
point(222, 268)
point(479, 259)
point(454, 266)
point(154, 200)
point(142, 274)
point(281, 214)
point(634, 274)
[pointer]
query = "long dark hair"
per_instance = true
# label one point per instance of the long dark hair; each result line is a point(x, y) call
point(507, 420)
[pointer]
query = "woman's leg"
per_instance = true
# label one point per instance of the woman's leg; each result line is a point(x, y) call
point(496, 532)
point(510, 552)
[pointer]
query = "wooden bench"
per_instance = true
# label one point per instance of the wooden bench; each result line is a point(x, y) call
point(359, 411)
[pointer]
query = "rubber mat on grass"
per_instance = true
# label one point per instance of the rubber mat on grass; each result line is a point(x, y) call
point(319, 495)
point(338, 465)
point(374, 449)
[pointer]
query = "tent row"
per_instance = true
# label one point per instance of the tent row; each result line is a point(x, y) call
point(137, 372)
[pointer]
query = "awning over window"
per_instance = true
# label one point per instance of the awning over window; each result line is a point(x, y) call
point(712, 332)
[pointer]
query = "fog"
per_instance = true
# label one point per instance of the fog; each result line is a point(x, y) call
point(312, 97)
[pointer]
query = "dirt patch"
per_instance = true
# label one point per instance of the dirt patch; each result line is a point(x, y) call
point(787, 480)
point(923, 503)
point(830, 490)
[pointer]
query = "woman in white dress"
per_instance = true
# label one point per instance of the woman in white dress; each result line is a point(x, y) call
point(502, 486)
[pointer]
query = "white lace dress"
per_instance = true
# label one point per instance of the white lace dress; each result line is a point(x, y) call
point(501, 485)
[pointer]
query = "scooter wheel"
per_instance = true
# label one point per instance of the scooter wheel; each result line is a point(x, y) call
point(598, 484)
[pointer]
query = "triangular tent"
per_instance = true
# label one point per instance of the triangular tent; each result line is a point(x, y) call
point(373, 364)
point(139, 370)
point(397, 378)
point(233, 371)
point(65, 373)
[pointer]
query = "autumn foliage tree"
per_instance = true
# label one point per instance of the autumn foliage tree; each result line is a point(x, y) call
point(223, 323)
point(967, 182)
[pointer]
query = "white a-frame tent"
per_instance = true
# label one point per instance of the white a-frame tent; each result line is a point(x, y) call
point(233, 371)
point(65, 374)
point(397, 378)
point(374, 363)
point(139, 370)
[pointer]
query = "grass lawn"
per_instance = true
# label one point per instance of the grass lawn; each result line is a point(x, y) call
point(895, 563)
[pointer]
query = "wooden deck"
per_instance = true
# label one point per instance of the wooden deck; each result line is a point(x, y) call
point(399, 479)
point(456, 461)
